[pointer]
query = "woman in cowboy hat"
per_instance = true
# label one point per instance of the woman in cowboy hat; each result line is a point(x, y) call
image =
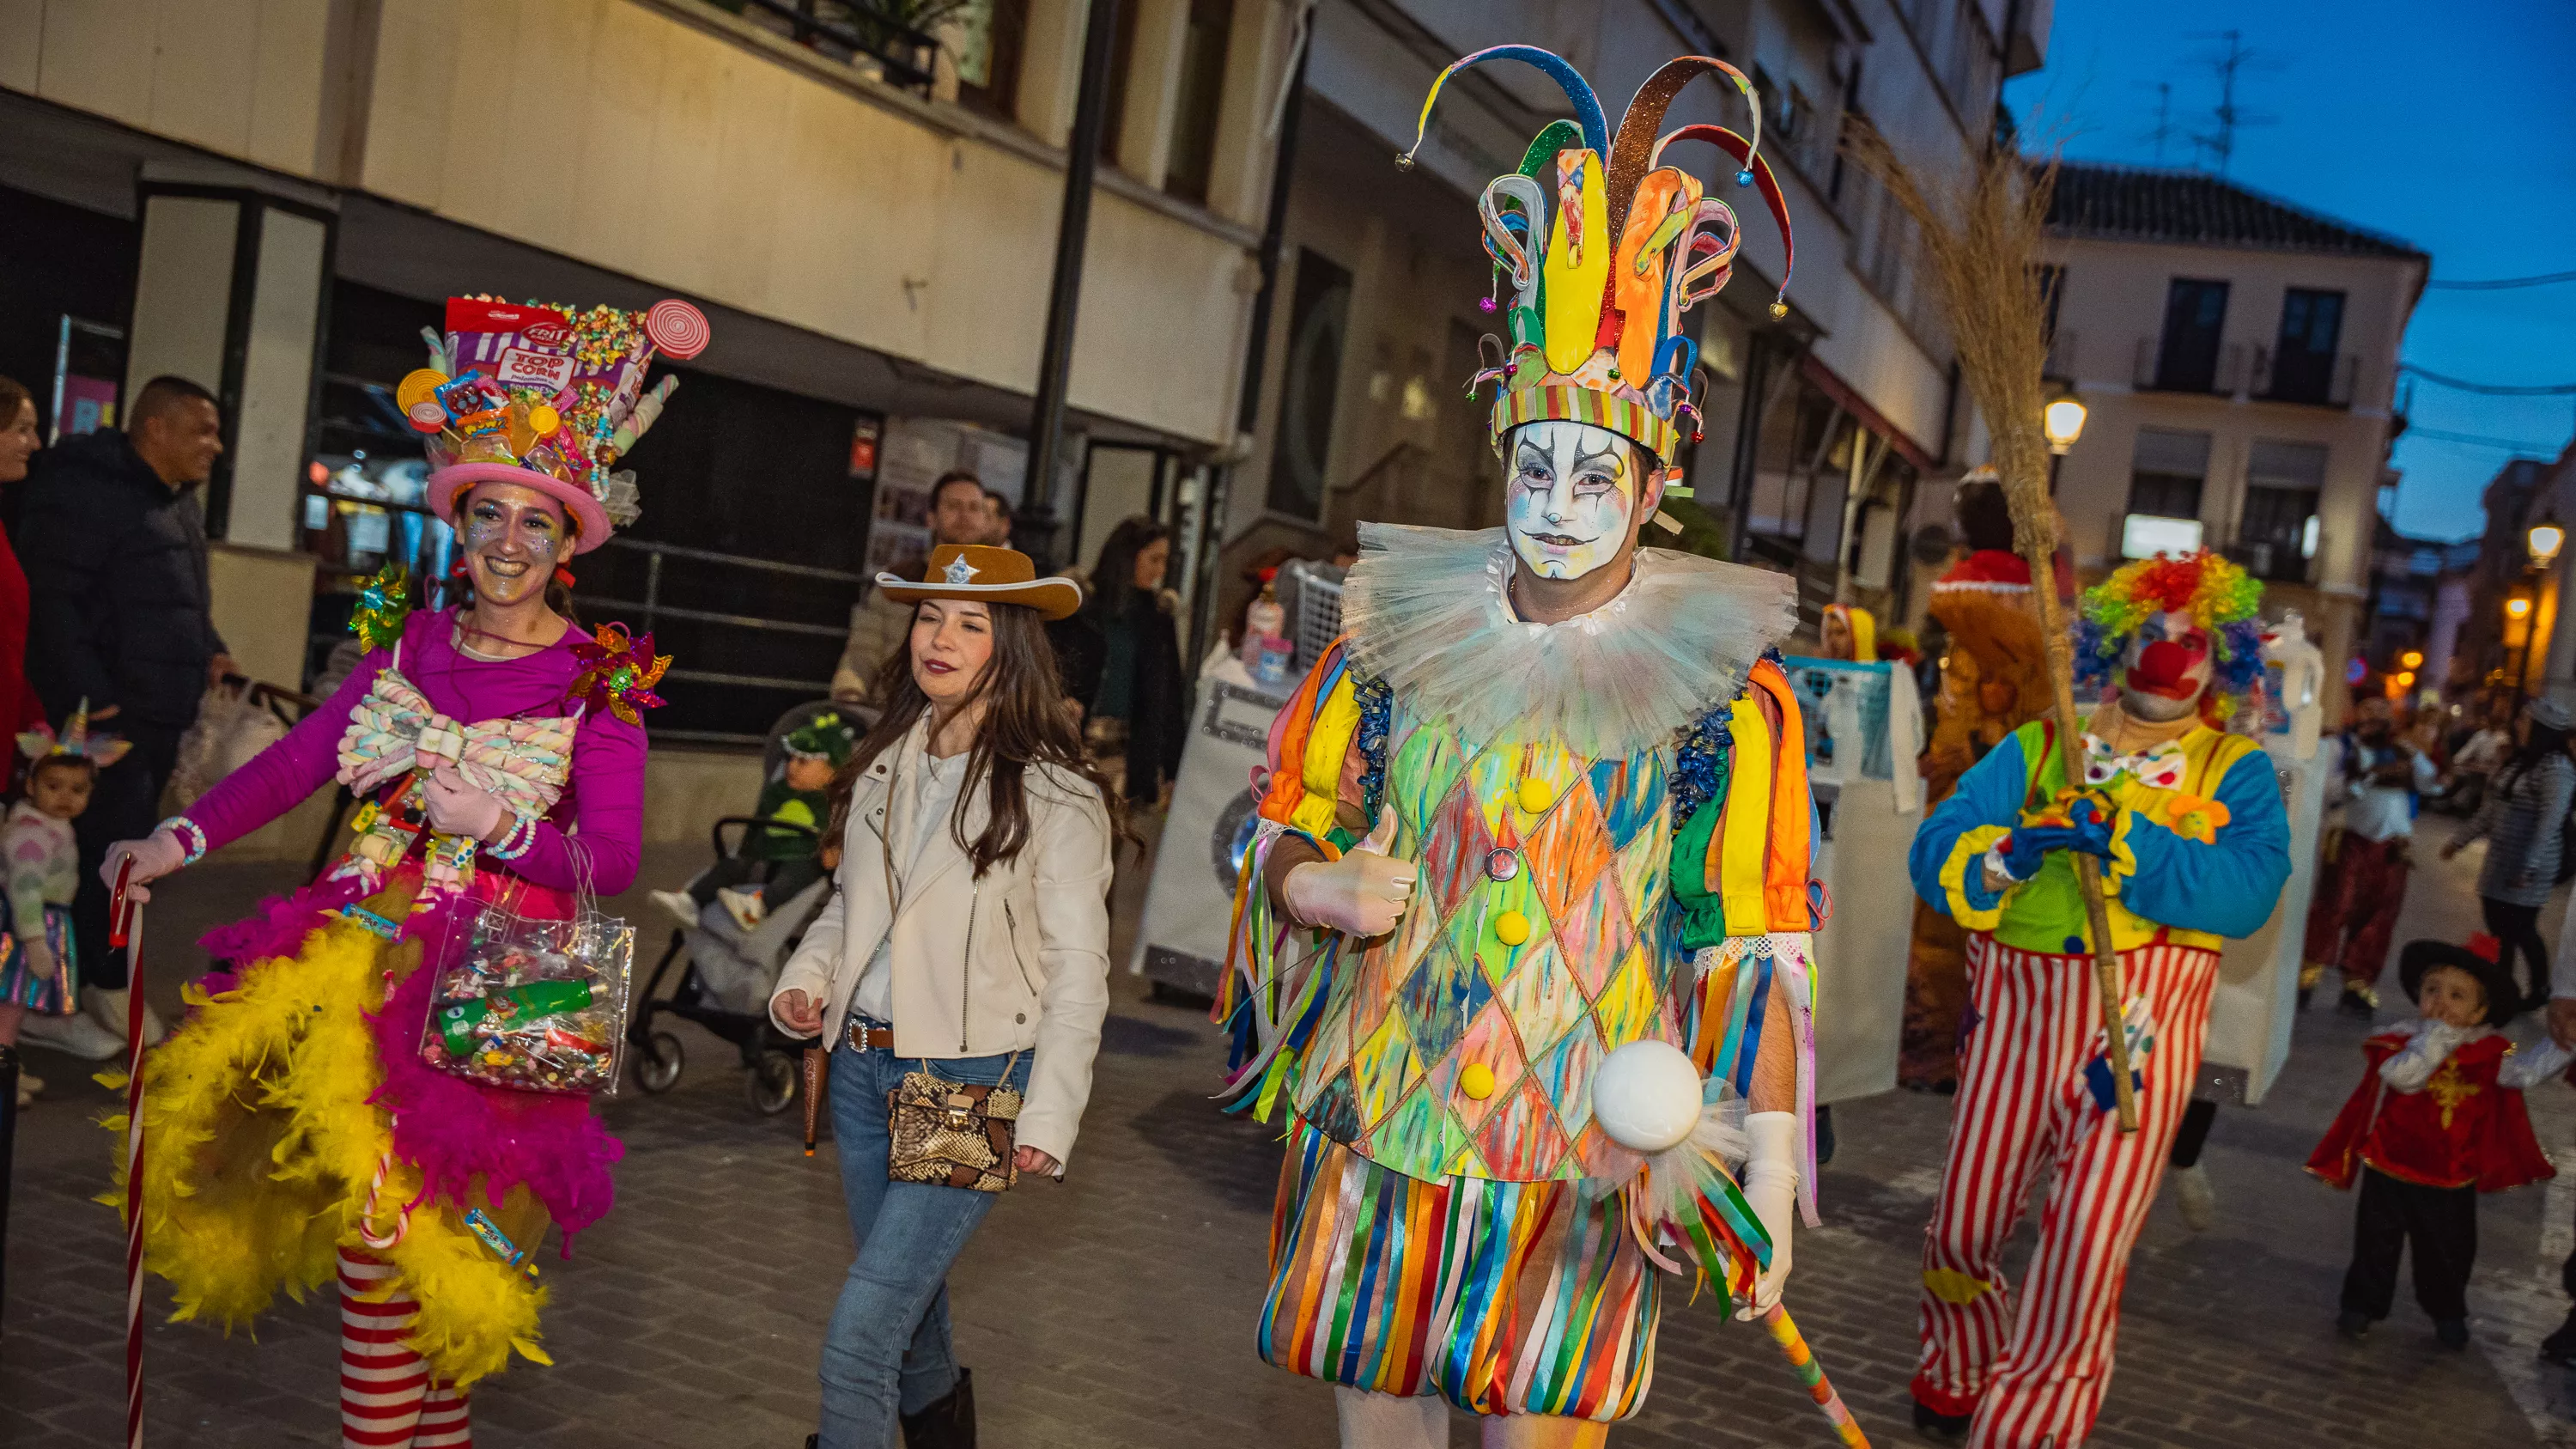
point(967, 948)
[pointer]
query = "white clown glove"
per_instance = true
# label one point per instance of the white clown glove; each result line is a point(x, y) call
point(155, 856)
point(457, 808)
point(1362, 894)
point(1771, 1186)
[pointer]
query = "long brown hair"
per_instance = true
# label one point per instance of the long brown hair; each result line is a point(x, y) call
point(1025, 724)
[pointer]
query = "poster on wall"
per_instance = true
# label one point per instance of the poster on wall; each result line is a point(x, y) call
point(865, 435)
point(89, 357)
point(912, 455)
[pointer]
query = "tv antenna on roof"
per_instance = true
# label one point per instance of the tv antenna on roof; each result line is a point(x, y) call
point(2220, 141)
point(2163, 130)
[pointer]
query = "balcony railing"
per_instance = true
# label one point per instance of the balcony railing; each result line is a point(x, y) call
point(2155, 371)
point(2305, 377)
point(851, 32)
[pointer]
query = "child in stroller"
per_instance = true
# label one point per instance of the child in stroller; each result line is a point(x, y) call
point(738, 919)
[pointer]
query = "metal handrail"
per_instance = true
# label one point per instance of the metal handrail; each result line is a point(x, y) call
point(910, 70)
point(705, 555)
point(651, 610)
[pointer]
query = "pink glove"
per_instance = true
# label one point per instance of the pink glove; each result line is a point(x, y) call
point(456, 808)
point(155, 856)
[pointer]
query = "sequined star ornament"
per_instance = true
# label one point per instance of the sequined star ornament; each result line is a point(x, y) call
point(618, 672)
point(383, 603)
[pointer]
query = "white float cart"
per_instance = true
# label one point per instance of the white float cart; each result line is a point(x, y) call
point(1189, 902)
point(1864, 723)
point(2258, 977)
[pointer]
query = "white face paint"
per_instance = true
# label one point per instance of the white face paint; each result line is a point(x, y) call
point(1573, 493)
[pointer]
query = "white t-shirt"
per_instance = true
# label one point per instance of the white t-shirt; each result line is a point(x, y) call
point(2383, 812)
point(935, 784)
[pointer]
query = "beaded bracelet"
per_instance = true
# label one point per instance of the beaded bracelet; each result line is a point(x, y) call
point(190, 835)
point(521, 837)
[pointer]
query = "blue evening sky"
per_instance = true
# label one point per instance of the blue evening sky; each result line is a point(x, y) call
point(2452, 127)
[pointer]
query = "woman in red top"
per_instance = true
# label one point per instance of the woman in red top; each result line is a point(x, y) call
point(2438, 1119)
point(19, 440)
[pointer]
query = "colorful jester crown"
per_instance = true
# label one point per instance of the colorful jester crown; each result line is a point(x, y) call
point(1600, 284)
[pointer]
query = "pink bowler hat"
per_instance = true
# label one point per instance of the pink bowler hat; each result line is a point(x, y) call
point(449, 485)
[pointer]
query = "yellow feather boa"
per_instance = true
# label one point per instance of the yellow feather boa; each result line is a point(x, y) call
point(260, 1146)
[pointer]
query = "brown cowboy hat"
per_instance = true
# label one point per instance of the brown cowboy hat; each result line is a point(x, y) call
point(987, 576)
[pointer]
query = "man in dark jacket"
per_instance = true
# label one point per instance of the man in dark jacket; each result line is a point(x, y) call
point(114, 545)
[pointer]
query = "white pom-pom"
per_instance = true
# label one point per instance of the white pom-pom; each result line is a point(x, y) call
point(1646, 1095)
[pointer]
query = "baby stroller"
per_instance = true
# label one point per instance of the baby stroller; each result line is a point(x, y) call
point(726, 972)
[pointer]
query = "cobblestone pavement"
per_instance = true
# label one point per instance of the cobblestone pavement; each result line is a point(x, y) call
point(1116, 1309)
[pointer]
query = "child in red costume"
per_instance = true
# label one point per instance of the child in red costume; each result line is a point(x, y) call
point(2438, 1119)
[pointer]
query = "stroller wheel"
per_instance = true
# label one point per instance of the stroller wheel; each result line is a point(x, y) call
point(771, 1083)
point(657, 1067)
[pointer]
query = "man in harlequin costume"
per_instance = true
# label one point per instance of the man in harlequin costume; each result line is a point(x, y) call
point(2193, 845)
point(1532, 830)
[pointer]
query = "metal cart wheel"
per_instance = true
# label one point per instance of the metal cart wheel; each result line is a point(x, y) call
point(657, 1066)
point(771, 1083)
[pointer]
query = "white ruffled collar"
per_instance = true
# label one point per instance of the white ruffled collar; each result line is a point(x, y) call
point(1429, 611)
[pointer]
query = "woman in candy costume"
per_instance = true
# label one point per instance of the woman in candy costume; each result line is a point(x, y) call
point(295, 1129)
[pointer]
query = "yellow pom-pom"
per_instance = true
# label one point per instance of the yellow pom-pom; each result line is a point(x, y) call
point(1536, 795)
point(1476, 1080)
point(1511, 928)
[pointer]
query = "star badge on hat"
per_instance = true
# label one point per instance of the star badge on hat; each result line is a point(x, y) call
point(960, 571)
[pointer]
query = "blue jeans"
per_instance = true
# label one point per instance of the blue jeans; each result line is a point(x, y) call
point(887, 1352)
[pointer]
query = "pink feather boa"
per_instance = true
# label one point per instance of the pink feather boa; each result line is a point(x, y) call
point(454, 1131)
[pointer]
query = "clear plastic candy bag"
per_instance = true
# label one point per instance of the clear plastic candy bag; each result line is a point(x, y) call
point(532, 1004)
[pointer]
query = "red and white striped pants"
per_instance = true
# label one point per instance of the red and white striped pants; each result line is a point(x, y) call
point(2033, 1374)
point(387, 1400)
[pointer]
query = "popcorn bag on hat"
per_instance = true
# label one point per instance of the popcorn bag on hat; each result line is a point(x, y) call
point(547, 398)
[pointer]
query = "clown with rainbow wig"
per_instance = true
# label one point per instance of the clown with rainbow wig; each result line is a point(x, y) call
point(2193, 844)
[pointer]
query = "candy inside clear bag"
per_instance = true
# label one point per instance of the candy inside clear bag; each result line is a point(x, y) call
point(533, 1004)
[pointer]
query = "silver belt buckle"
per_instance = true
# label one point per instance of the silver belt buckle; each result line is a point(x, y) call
point(857, 1033)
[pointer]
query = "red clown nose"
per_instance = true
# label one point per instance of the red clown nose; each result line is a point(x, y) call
point(2163, 669)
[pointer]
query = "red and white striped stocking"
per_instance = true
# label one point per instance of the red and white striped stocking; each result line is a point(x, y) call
point(387, 1400)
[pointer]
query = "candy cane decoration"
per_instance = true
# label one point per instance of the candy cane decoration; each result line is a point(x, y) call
point(125, 928)
point(1812, 1374)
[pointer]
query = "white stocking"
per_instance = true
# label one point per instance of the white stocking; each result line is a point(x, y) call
point(1383, 1421)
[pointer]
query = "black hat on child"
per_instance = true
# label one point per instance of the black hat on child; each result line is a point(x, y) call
point(2482, 958)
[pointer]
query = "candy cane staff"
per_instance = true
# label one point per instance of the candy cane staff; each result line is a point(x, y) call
point(2185, 825)
point(1534, 749)
point(307, 1126)
point(125, 930)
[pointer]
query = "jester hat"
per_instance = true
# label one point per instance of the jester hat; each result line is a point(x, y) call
point(1602, 279)
point(2219, 596)
point(76, 742)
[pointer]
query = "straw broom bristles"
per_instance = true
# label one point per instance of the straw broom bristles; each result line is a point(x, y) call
point(1980, 232)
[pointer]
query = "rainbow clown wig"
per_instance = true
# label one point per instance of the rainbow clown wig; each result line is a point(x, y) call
point(2218, 595)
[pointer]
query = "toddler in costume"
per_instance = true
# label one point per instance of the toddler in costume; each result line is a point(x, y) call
point(2438, 1119)
point(800, 795)
point(43, 863)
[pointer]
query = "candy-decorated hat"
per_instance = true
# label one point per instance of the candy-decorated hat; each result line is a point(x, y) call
point(547, 398)
point(1602, 278)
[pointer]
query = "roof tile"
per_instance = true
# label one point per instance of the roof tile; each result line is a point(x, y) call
point(2131, 203)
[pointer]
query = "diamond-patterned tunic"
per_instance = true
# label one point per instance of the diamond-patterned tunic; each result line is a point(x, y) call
point(1463, 1043)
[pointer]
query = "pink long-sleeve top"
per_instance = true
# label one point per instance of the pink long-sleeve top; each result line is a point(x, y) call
point(602, 806)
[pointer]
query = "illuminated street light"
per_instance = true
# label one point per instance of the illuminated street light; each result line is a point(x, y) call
point(2063, 421)
point(2406, 679)
point(2517, 608)
point(2545, 539)
point(2412, 658)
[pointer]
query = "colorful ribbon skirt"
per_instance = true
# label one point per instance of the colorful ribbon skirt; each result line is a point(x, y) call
point(55, 995)
point(1501, 1297)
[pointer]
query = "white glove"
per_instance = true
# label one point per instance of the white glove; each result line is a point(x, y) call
point(1361, 894)
point(40, 957)
point(2411, 1068)
point(457, 808)
point(1771, 1186)
point(155, 856)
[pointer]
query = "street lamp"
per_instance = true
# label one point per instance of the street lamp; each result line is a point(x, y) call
point(2545, 539)
point(2063, 421)
point(2518, 607)
point(2412, 659)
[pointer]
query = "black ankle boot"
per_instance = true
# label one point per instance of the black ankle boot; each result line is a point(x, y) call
point(1939, 1427)
point(948, 1423)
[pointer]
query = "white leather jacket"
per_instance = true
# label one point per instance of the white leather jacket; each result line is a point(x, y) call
point(1015, 961)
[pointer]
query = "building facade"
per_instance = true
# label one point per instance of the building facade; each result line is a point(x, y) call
point(1825, 429)
point(2237, 357)
point(272, 197)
